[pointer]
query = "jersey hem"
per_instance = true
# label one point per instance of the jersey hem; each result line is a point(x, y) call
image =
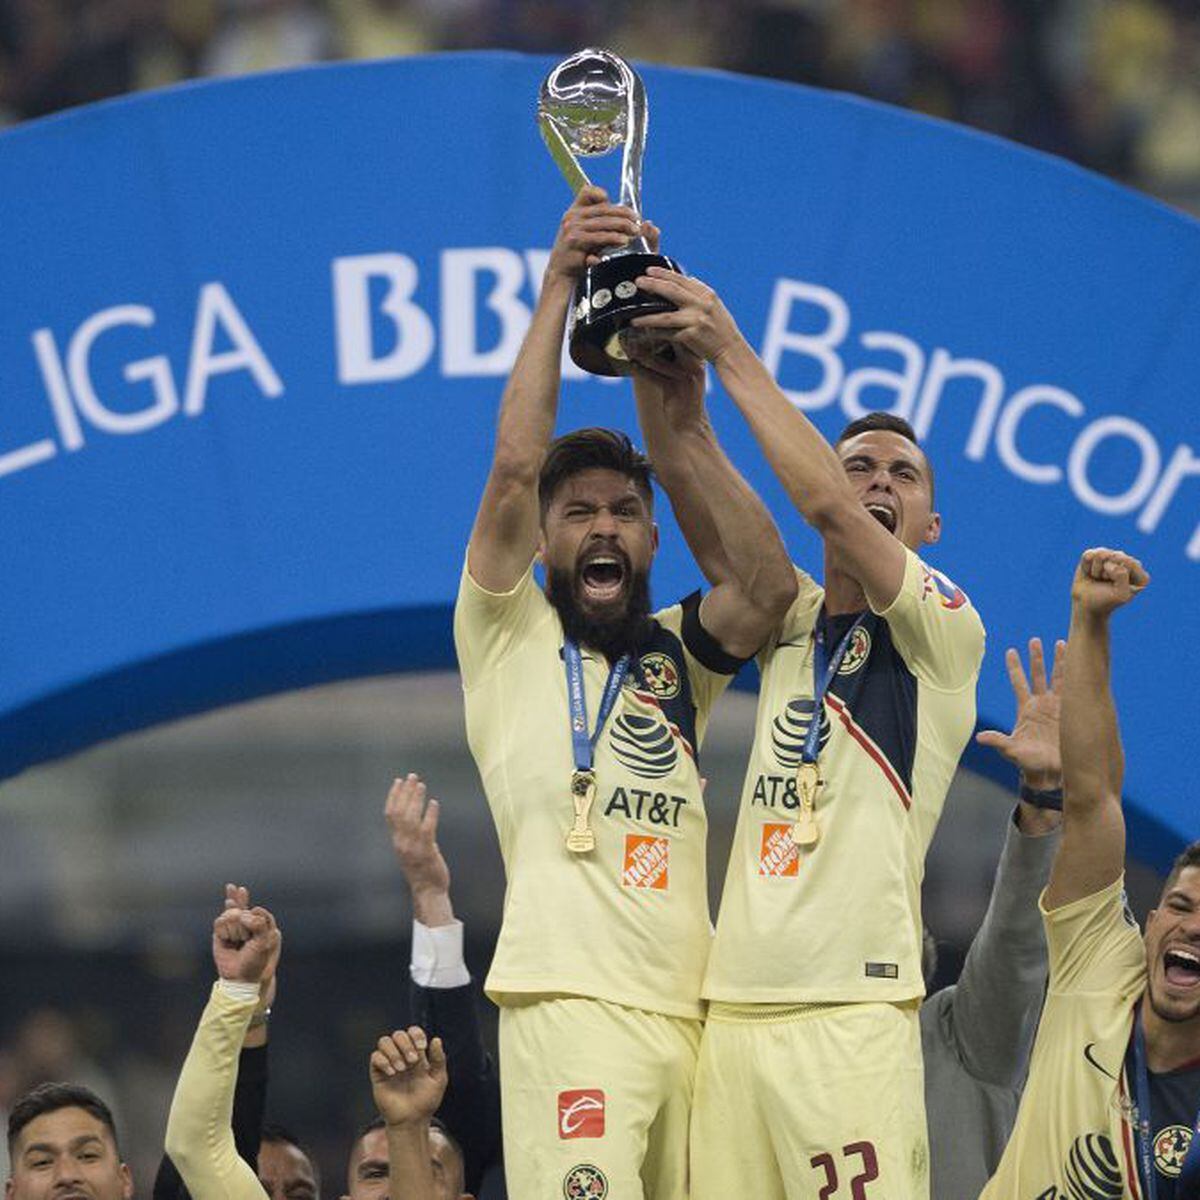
point(510, 995)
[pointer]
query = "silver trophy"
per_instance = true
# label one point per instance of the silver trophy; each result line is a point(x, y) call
point(590, 104)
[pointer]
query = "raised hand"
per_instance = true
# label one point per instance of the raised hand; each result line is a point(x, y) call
point(700, 323)
point(414, 823)
point(1033, 744)
point(588, 227)
point(246, 941)
point(408, 1076)
point(1105, 580)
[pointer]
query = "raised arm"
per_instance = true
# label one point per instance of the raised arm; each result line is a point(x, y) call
point(443, 1001)
point(505, 534)
point(1092, 854)
point(994, 1006)
point(408, 1077)
point(199, 1140)
point(805, 463)
point(727, 527)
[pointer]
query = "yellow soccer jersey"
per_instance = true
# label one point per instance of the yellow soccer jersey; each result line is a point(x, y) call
point(627, 922)
point(1072, 1136)
point(841, 921)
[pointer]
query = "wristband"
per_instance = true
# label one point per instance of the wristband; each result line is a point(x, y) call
point(1049, 798)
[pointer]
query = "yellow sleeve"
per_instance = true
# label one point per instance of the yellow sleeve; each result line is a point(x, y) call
point(489, 625)
point(799, 619)
point(199, 1129)
point(1095, 945)
point(710, 670)
point(935, 628)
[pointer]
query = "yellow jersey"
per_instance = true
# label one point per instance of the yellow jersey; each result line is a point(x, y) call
point(840, 921)
point(1073, 1135)
point(628, 921)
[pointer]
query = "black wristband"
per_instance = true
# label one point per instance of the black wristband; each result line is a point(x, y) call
point(1050, 798)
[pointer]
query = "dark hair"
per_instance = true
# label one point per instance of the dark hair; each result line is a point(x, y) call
point(277, 1135)
point(50, 1097)
point(888, 423)
point(1189, 858)
point(587, 448)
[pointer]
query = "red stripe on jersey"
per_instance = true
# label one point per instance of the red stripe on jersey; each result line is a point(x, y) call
point(676, 732)
point(860, 736)
point(1131, 1168)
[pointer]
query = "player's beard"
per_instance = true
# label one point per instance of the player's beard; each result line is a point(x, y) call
point(622, 632)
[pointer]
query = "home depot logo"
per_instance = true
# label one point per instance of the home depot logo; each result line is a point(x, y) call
point(581, 1113)
point(778, 855)
point(646, 862)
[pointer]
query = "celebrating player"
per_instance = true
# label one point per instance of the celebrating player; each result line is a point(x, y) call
point(584, 714)
point(810, 1075)
point(1111, 1105)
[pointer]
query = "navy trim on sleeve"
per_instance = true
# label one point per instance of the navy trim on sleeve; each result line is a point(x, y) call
point(701, 644)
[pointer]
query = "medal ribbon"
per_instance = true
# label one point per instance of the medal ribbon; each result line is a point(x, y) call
point(1187, 1185)
point(582, 744)
point(824, 670)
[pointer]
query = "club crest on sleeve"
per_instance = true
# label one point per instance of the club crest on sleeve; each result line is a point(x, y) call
point(581, 1113)
point(779, 855)
point(647, 860)
point(585, 1182)
point(948, 594)
point(660, 675)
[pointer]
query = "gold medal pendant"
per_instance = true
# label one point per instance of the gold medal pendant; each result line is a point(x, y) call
point(581, 839)
point(806, 831)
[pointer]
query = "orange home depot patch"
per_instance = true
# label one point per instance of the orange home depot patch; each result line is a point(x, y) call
point(779, 855)
point(646, 861)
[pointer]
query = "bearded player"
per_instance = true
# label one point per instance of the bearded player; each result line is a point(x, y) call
point(810, 1080)
point(1112, 1105)
point(584, 714)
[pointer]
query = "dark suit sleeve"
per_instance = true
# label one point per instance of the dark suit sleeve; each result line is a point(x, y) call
point(249, 1101)
point(470, 1110)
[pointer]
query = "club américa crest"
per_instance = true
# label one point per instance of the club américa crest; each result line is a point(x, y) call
point(585, 1182)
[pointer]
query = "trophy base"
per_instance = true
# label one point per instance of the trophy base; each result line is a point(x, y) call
point(606, 301)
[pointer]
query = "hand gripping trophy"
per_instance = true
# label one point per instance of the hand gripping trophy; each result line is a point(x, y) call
point(589, 104)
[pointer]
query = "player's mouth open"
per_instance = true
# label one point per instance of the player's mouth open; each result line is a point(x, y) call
point(884, 515)
point(1182, 967)
point(603, 577)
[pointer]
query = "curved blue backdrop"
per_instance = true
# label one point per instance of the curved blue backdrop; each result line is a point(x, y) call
point(255, 333)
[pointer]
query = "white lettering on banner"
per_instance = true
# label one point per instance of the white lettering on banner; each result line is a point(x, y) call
point(823, 349)
point(356, 357)
point(383, 334)
point(71, 391)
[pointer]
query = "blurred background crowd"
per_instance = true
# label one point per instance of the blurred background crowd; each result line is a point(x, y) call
point(111, 862)
point(1111, 84)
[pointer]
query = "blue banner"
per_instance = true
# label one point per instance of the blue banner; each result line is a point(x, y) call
point(256, 333)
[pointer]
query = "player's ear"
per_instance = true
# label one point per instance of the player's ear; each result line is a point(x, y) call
point(933, 529)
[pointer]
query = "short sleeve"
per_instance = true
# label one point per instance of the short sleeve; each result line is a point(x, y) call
point(935, 628)
point(1095, 945)
point(489, 625)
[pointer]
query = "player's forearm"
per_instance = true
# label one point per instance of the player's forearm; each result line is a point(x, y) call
point(801, 458)
point(1092, 760)
point(199, 1136)
point(530, 403)
point(410, 1171)
point(673, 470)
point(757, 560)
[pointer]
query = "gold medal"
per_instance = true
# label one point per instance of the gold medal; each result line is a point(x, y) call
point(806, 831)
point(581, 839)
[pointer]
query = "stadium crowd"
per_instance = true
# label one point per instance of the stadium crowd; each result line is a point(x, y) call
point(1112, 85)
